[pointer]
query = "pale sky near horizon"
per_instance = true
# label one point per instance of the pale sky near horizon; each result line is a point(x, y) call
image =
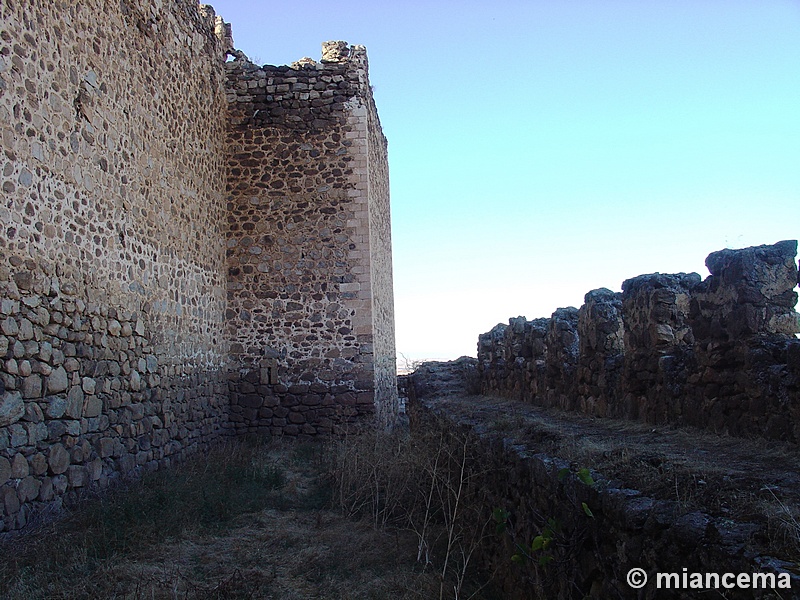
point(540, 149)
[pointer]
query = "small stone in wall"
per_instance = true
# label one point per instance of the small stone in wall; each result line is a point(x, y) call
point(74, 407)
point(33, 413)
point(335, 51)
point(28, 488)
point(25, 330)
point(95, 469)
point(46, 491)
point(45, 351)
point(93, 408)
point(9, 326)
point(105, 447)
point(5, 469)
point(76, 475)
point(37, 432)
point(114, 328)
point(786, 324)
point(136, 381)
point(10, 500)
point(88, 384)
point(38, 464)
point(19, 436)
point(32, 387)
point(19, 466)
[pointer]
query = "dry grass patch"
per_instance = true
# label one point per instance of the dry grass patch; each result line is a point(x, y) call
point(426, 484)
point(249, 520)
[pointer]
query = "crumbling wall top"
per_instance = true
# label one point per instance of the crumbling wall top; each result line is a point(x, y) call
point(335, 51)
point(221, 29)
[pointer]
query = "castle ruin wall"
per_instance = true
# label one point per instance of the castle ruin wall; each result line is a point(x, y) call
point(719, 353)
point(113, 295)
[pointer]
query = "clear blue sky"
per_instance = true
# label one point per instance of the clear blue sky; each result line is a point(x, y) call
point(540, 149)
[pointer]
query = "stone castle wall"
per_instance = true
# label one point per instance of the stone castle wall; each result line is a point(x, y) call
point(309, 271)
point(113, 297)
point(157, 251)
point(719, 354)
point(519, 470)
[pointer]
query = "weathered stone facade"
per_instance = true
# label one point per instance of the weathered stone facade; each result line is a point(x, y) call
point(718, 354)
point(310, 308)
point(127, 253)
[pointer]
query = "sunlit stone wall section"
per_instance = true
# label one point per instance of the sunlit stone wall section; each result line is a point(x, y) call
point(112, 256)
point(719, 353)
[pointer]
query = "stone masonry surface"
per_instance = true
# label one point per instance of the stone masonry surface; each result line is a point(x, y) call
point(720, 354)
point(164, 262)
point(525, 460)
point(310, 308)
point(519, 470)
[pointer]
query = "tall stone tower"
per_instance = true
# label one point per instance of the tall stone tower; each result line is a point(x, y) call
point(310, 306)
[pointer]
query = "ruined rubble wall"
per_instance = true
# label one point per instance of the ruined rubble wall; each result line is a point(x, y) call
point(112, 259)
point(720, 353)
point(599, 528)
point(308, 246)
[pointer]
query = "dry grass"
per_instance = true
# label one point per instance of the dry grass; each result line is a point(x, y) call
point(246, 521)
point(426, 484)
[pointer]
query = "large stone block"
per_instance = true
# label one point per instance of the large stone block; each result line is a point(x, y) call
point(56, 406)
point(12, 408)
point(19, 466)
point(57, 381)
point(5, 470)
point(31, 386)
point(58, 459)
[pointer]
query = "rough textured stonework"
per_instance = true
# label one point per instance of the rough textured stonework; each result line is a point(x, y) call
point(522, 463)
point(310, 307)
point(719, 354)
point(381, 284)
point(171, 272)
point(600, 359)
point(112, 324)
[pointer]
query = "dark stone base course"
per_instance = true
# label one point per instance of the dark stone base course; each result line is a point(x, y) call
point(148, 430)
point(303, 409)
